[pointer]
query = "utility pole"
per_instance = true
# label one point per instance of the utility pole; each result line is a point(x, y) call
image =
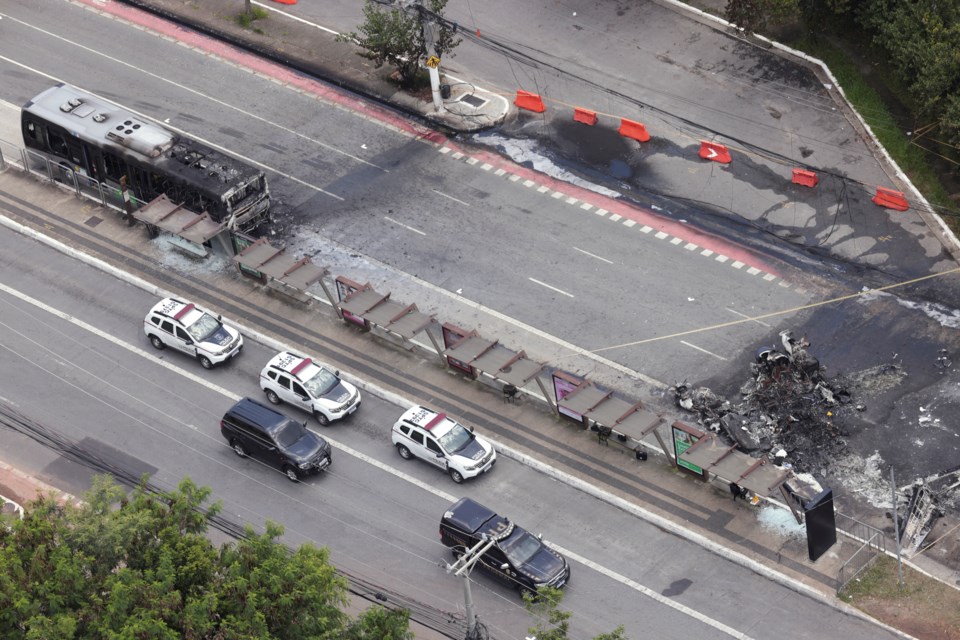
point(462, 567)
point(896, 529)
point(431, 35)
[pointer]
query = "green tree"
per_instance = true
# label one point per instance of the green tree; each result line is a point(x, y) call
point(553, 622)
point(141, 567)
point(394, 36)
point(378, 623)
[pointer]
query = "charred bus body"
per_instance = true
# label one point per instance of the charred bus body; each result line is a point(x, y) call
point(87, 135)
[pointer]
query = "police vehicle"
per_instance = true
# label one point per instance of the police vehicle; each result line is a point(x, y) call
point(443, 442)
point(188, 328)
point(517, 557)
point(300, 381)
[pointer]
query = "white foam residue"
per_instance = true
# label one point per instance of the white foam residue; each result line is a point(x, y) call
point(944, 315)
point(521, 151)
point(863, 476)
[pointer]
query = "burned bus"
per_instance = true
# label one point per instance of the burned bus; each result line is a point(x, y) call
point(85, 135)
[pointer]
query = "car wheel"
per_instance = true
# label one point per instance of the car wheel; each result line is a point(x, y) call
point(457, 552)
point(291, 473)
point(157, 343)
point(238, 448)
point(205, 362)
point(404, 452)
point(456, 476)
point(272, 396)
point(527, 593)
point(322, 418)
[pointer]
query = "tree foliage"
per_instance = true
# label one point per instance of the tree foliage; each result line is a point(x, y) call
point(142, 567)
point(394, 36)
point(553, 622)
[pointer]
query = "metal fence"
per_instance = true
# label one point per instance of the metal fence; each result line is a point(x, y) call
point(64, 176)
point(873, 544)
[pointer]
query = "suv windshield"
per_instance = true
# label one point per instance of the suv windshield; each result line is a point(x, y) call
point(321, 383)
point(520, 547)
point(290, 433)
point(203, 327)
point(455, 439)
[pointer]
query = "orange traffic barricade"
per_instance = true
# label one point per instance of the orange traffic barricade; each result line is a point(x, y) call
point(585, 116)
point(714, 151)
point(633, 129)
point(890, 199)
point(805, 177)
point(529, 101)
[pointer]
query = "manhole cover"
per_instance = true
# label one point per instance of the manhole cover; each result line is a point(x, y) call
point(93, 221)
point(473, 100)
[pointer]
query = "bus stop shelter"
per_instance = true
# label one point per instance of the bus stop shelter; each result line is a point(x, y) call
point(611, 415)
point(274, 265)
point(476, 355)
point(757, 475)
point(163, 214)
point(371, 309)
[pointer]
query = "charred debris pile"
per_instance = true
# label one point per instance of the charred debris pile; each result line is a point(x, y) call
point(787, 408)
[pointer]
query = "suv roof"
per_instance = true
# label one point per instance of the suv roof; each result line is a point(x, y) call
point(298, 366)
point(184, 312)
point(437, 424)
point(471, 516)
point(257, 413)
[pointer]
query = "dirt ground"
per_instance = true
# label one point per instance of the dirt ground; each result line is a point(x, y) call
point(924, 608)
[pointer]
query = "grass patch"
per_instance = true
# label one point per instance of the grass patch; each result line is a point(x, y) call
point(256, 13)
point(923, 607)
point(911, 159)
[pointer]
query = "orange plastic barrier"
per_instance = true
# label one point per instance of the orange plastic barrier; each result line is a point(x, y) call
point(804, 177)
point(585, 116)
point(715, 152)
point(529, 101)
point(890, 199)
point(286, 1)
point(632, 129)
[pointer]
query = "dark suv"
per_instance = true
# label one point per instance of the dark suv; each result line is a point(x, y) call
point(257, 430)
point(518, 558)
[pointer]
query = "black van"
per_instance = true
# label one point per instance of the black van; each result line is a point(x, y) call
point(260, 431)
point(517, 557)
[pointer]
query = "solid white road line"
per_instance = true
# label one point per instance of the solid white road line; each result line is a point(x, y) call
point(592, 255)
point(544, 284)
point(405, 226)
point(709, 353)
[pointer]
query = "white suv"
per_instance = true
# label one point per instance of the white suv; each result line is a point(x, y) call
point(300, 381)
point(443, 442)
point(193, 330)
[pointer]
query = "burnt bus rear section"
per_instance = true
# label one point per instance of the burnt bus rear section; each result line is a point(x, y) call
point(87, 141)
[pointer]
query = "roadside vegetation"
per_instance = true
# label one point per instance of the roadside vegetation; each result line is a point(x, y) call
point(141, 566)
point(250, 15)
point(910, 98)
point(394, 36)
point(924, 608)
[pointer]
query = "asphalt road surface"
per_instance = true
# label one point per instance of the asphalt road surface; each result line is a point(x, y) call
point(76, 360)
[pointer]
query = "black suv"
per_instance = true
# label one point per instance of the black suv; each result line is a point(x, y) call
point(518, 558)
point(255, 429)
